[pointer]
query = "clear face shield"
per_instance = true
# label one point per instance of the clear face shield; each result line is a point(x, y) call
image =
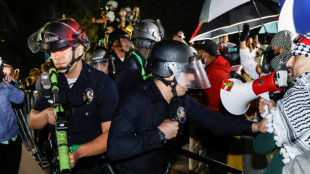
point(190, 74)
point(49, 41)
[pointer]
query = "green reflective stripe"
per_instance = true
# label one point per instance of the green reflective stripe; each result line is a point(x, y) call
point(74, 147)
point(14, 138)
point(7, 141)
point(59, 109)
point(140, 61)
point(145, 76)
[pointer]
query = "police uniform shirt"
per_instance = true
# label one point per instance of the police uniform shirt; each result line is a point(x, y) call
point(134, 142)
point(117, 61)
point(85, 120)
point(129, 75)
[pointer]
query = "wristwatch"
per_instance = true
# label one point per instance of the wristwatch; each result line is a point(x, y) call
point(162, 136)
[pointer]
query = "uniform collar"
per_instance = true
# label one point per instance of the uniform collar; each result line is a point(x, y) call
point(82, 77)
point(85, 69)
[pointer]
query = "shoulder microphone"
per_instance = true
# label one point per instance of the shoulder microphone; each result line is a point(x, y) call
point(46, 85)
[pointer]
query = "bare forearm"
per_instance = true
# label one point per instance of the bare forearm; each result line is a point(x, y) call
point(95, 147)
point(37, 119)
point(102, 20)
point(260, 126)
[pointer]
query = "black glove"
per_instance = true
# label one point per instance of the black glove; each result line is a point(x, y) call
point(245, 32)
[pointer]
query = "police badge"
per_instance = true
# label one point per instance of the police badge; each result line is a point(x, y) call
point(181, 114)
point(89, 95)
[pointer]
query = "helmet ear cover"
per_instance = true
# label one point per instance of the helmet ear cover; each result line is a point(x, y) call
point(81, 37)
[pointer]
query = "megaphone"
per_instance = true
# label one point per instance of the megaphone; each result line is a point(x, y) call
point(236, 95)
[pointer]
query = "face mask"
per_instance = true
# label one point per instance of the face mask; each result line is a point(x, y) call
point(278, 61)
point(202, 60)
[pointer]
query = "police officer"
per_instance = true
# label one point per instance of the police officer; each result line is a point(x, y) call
point(119, 44)
point(157, 111)
point(89, 94)
point(98, 57)
point(133, 71)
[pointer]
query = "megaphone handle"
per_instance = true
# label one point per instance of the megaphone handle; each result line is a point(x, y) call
point(266, 97)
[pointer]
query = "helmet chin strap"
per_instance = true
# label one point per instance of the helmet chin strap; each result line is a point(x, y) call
point(73, 60)
point(172, 83)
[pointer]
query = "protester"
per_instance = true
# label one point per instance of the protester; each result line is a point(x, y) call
point(281, 44)
point(288, 117)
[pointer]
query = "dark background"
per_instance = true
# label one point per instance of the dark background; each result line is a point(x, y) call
point(19, 19)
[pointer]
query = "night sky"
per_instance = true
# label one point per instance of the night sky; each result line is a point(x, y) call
point(19, 19)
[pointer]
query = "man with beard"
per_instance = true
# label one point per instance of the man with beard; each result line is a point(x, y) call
point(288, 119)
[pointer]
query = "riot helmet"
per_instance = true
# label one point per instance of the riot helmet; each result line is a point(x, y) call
point(171, 57)
point(97, 57)
point(147, 30)
point(116, 35)
point(57, 36)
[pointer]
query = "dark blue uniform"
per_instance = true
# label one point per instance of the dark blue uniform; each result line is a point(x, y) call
point(129, 74)
point(117, 63)
point(134, 139)
point(85, 120)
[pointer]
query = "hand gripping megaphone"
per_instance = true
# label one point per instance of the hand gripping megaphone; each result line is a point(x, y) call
point(236, 95)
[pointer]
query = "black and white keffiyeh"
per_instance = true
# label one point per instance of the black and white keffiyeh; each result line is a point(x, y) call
point(291, 120)
point(283, 39)
point(280, 60)
point(302, 48)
